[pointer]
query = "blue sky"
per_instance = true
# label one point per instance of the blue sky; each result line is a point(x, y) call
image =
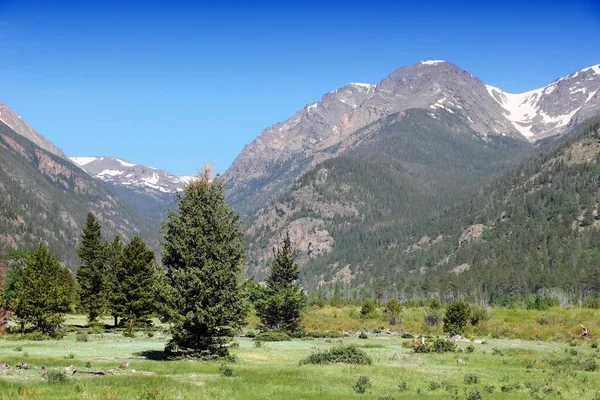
point(174, 84)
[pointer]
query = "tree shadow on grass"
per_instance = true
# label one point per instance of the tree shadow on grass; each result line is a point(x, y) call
point(154, 355)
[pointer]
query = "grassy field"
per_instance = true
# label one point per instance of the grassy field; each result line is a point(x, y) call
point(496, 369)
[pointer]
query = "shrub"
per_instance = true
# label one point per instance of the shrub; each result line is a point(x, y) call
point(325, 334)
point(478, 314)
point(393, 309)
point(435, 346)
point(272, 337)
point(473, 394)
point(402, 386)
point(363, 335)
point(434, 385)
point(57, 377)
point(350, 354)
point(362, 384)
point(70, 356)
point(88, 364)
point(471, 379)
point(368, 310)
point(226, 371)
point(432, 318)
point(456, 317)
point(470, 348)
point(257, 343)
point(82, 337)
point(489, 388)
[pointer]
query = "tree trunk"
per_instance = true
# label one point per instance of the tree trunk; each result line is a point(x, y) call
point(115, 320)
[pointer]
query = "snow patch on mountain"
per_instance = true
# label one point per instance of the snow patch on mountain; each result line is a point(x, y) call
point(83, 160)
point(125, 163)
point(432, 62)
point(110, 172)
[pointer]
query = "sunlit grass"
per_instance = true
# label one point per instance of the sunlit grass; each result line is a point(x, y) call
point(524, 368)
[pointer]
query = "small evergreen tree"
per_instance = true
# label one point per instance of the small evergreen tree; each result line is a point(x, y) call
point(19, 258)
point(92, 274)
point(114, 264)
point(203, 253)
point(137, 276)
point(282, 306)
point(45, 293)
point(456, 317)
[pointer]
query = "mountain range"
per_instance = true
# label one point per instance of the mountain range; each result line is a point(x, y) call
point(375, 181)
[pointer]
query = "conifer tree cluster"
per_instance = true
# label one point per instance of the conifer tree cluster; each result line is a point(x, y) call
point(116, 279)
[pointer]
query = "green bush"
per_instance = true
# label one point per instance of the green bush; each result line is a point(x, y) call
point(272, 337)
point(456, 317)
point(57, 377)
point(362, 384)
point(226, 371)
point(434, 346)
point(325, 335)
point(470, 348)
point(393, 310)
point(350, 354)
point(363, 335)
point(432, 318)
point(368, 310)
point(478, 314)
point(471, 379)
point(82, 337)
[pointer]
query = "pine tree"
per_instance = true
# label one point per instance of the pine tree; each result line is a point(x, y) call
point(138, 279)
point(281, 309)
point(45, 293)
point(114, 263)
point(203, 253)
point(92, 274)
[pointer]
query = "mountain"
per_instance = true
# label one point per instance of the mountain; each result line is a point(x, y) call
point(268, 166)
point(532, 233)
point(119, 172)
point(45, 197)
point(148, 190)
point(22, 127)
point(369, 166)
point(392, 177)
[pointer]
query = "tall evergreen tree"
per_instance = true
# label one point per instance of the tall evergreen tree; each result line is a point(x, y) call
point(92, 274)
point(138, 283)
point(44, 294)
point(281, 309)
point(114, 264)
point(203, 252)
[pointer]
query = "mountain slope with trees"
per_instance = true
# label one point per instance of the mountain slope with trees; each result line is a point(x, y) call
point(529, 237)
point(46, 198)
point(391, 178)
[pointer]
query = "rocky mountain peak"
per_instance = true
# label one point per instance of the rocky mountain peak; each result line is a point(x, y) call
point(22, 127)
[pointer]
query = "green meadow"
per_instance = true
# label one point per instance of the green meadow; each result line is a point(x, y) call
point(505, 361)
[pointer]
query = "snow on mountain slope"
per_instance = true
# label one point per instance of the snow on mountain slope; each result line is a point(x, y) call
point(548, 110)
point(124, 173)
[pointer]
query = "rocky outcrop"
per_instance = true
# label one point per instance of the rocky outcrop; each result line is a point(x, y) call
point(471, 233)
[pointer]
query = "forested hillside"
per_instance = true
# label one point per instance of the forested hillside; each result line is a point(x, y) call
point(532, 231)
point(385, 184)
point(45, 197)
